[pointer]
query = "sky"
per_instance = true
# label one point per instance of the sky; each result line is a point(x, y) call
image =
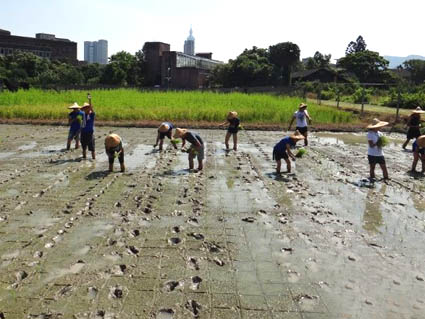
point(224, 27)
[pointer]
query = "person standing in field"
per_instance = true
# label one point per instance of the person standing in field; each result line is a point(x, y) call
point(195, 150)
point(232, 130)
point(283, 150)
point(87, 138)
point(301, 116)
point(75, 121)
point(114, 148)
point(375, 154)
point(418, 153)
point(164, 130)
point(413, 123)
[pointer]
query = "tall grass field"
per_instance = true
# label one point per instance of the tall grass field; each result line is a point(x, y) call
point(131, 104)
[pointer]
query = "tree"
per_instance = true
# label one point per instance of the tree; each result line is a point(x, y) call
point(417, 70)
point(318, 61)
point(358, 46)
point(127, 63)
point(367, 65)
point(285, 55)
point(92, 72)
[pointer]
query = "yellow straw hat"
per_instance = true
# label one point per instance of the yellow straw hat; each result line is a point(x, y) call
point(418, 110)
point(85, 105)
point(74, 106)
point(112, 140)
point(421, 141)
point(297, 136)
point(180, 132)
point(376, 123)
point(163, 128)
point(302, 106)
point(232, 115)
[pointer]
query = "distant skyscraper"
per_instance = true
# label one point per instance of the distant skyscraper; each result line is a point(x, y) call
point(189, 44)
point(96, 51)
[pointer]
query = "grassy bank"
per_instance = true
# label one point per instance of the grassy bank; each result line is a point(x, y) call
point(128, 105)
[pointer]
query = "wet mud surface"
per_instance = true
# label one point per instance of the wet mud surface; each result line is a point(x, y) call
point(234, 241)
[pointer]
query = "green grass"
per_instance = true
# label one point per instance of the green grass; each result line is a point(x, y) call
point(128, 104)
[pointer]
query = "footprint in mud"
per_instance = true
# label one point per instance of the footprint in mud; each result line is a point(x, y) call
point(286, 251)
point(172, 285)
point(196, 281)
point(174, 241)
point(165, 314)
point(38, 254)
point(176, 229)
point(293, 276)
point(194, 307)
point(212, 247)
point(49, 245)
point(219, 262)
point(132, 250)
point(197, 236)
point(20, 275)
point(193, 221)
point(118, 270)
point(248, 219)
point(135, 233)
point(116, 292)
point(193, 263)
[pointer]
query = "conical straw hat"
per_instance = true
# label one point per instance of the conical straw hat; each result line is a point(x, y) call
point(180, 132)
point(376, 123)
point(163, 128)
point(112, 140)
point(74, 106)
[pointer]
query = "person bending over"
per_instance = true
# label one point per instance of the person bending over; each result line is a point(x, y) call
point(283, 150)
point(114, 148)
point(195, 150)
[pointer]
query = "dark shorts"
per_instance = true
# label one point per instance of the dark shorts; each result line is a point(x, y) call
point(277, 156)
point(163, 135)
point(302, 130)
point(376, 159)
point(415, 148)
point(413, 132)
point(74, 134)
point(87, 141)
point(111, 152)
point(233, 130)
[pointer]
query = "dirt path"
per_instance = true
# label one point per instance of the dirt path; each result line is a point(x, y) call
point(231, 242)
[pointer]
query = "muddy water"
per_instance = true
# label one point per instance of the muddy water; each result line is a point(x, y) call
point(235, 241)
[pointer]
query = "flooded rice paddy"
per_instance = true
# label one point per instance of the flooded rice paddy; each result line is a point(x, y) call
point(233, 241)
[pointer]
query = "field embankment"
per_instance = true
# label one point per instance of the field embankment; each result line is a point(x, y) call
point(133, 106)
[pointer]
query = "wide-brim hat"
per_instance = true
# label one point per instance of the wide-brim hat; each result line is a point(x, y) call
point(302, 106)
point(232, 115)
point(112, 140)
point(163, 128)
point(418, 110)
point(297, 136)
point(421, 141)
point(376, 123)
point(74, 106)
point(85, 105)
point(180, 132)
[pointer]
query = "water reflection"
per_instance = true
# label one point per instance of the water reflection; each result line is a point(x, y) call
point(372, 217)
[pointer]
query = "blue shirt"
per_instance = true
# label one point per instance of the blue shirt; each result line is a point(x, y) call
point(89, 127)
point(281, 146)
point(76, 125)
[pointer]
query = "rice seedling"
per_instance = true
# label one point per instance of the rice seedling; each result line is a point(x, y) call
point(132, 105)
point(175, 141)
point(301, 152)
point(382, 141)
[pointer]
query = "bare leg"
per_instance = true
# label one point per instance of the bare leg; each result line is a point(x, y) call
point(279, 164)
point(305, 140)
point(384, 170)
point(226, 140)
point(235, 141)
point(93, 155)
point(423, 163)
point(200, 165)
point(372, 170)
point(77, 144)
point(111, 167)
point(84, 153)
point(288, 164)
point(68, 145)
point(415, 161)
point(190, 161)
point(160, 144)
point(405, 143)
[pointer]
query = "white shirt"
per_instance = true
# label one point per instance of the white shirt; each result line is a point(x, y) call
point(301, 118)
point(374, 151)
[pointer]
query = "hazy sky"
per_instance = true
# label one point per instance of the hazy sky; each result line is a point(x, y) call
point(224, 27)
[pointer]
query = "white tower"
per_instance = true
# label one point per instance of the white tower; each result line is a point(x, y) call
point(189, 44)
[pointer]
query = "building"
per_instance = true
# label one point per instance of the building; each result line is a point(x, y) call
point(171, 69)
point(96, 51)
point(44, 45)
point(189, 44)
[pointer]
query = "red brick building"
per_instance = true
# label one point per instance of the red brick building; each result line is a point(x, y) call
point(44, 45)
point(172, 69)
